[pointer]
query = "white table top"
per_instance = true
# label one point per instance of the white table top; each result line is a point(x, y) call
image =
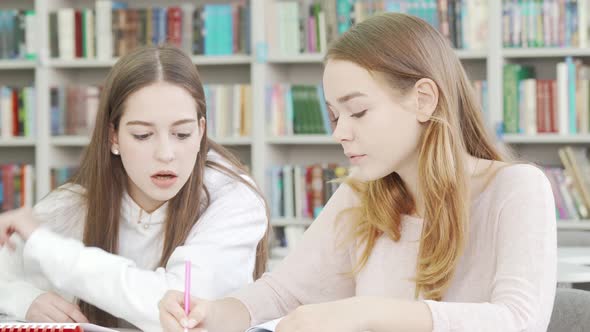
point(571, 273)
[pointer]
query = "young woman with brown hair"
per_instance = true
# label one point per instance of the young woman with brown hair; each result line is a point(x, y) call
point(152, 191)
point(435, 230)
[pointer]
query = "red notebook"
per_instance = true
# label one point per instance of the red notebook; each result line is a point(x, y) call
point(52, 327)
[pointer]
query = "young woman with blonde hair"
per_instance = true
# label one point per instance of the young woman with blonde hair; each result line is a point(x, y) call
point(434, 230)
point(152, 191)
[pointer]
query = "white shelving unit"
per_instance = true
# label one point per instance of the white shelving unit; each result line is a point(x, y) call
point(261, 150)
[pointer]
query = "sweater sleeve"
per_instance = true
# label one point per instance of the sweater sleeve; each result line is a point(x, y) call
point(221, 247)
point(20, 284)
point(317, 269)
point(523, 289)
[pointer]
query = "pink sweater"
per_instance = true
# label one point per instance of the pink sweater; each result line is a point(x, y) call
point(505, 280)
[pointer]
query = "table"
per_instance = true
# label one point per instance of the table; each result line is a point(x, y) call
point(574, 255)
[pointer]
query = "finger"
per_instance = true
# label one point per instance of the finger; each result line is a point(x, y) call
point(170, 323)
point(173, 304)
point(198, 312)
point(56, 314)
point(40, 318)
point(69, 309)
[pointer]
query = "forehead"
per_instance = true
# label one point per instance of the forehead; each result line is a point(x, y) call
point(341, 77)
point(160, 100)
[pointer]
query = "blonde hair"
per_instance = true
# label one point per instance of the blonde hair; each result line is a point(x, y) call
point(404, 49)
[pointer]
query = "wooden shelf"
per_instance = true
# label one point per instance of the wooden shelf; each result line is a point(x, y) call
point(546, 139)
point(17, 64)
point(200, 60)
point(17, 142)
point(581, 225)
point(545, 52)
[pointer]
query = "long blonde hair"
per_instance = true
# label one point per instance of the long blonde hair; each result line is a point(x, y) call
point(103, 176)
point(404, 49)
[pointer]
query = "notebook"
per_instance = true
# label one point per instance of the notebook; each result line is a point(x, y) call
point(50, 327)
point(266, 327)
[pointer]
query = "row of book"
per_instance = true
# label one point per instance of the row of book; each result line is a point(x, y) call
point(60, 175)
point(296, 109)
point(73, 109)
point(545, 23)
point(17, 111)
point(571, 185)
point(112, 29)
point(302, 191)
point(534, 106)
point(16, 186)
point(17, 34)
point(306, 26)
point(229, 110)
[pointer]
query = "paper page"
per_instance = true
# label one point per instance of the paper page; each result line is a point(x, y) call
point(266, 327)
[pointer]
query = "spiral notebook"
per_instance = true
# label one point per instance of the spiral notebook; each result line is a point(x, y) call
point(50, 327)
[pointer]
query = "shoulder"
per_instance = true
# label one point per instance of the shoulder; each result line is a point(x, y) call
point(63, 209)
point(522, 181)
point(224, 186)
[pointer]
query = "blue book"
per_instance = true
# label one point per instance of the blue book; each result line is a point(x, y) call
point(571, 86)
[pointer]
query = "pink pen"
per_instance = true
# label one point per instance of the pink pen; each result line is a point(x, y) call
point(187, 289)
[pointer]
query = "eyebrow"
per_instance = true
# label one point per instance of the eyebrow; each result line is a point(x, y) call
point(150, 124)
point(348, 97)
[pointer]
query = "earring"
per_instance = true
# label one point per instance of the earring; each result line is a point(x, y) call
point(115, 152)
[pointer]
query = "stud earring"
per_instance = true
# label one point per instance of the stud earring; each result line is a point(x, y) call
point(115, 152)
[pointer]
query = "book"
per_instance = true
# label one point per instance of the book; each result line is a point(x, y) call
point(62, 327)
point(266, 327)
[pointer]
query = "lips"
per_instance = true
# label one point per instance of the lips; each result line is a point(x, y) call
point(164, 179)
point(164, 174)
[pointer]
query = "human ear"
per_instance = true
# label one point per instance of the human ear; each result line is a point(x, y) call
point(426, 97)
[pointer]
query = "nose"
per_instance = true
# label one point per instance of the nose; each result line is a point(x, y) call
point(164, 150)
point(342, 132)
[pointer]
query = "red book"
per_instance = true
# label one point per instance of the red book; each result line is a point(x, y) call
point(175, 26)
point(15, 111)
point(78, 33)
point(51, 327)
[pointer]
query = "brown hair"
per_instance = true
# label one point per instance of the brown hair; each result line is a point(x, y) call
point(103, 175)
point(404, 49)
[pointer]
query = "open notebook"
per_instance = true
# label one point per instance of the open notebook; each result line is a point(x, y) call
point(266, 327)
point(49, 327)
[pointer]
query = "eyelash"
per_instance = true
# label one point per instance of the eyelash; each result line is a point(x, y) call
point(181, 136)
point(355, 115)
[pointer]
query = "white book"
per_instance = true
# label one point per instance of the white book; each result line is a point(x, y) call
point(288, 191)
point(30, 34)
point(237, 110)
point(187, 26)
point(29, 178)
point(583, 23)
point(562, 99)
point(103, 31)
point(65, 33)
point(89, 33)
point(299, 183)
point(530, 94)
point(6, 110)
point(323, 33)
point(247, 117)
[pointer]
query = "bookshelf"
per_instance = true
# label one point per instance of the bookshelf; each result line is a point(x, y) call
point(262, 68)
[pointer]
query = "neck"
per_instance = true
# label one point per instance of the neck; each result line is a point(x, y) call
point(409, 174)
